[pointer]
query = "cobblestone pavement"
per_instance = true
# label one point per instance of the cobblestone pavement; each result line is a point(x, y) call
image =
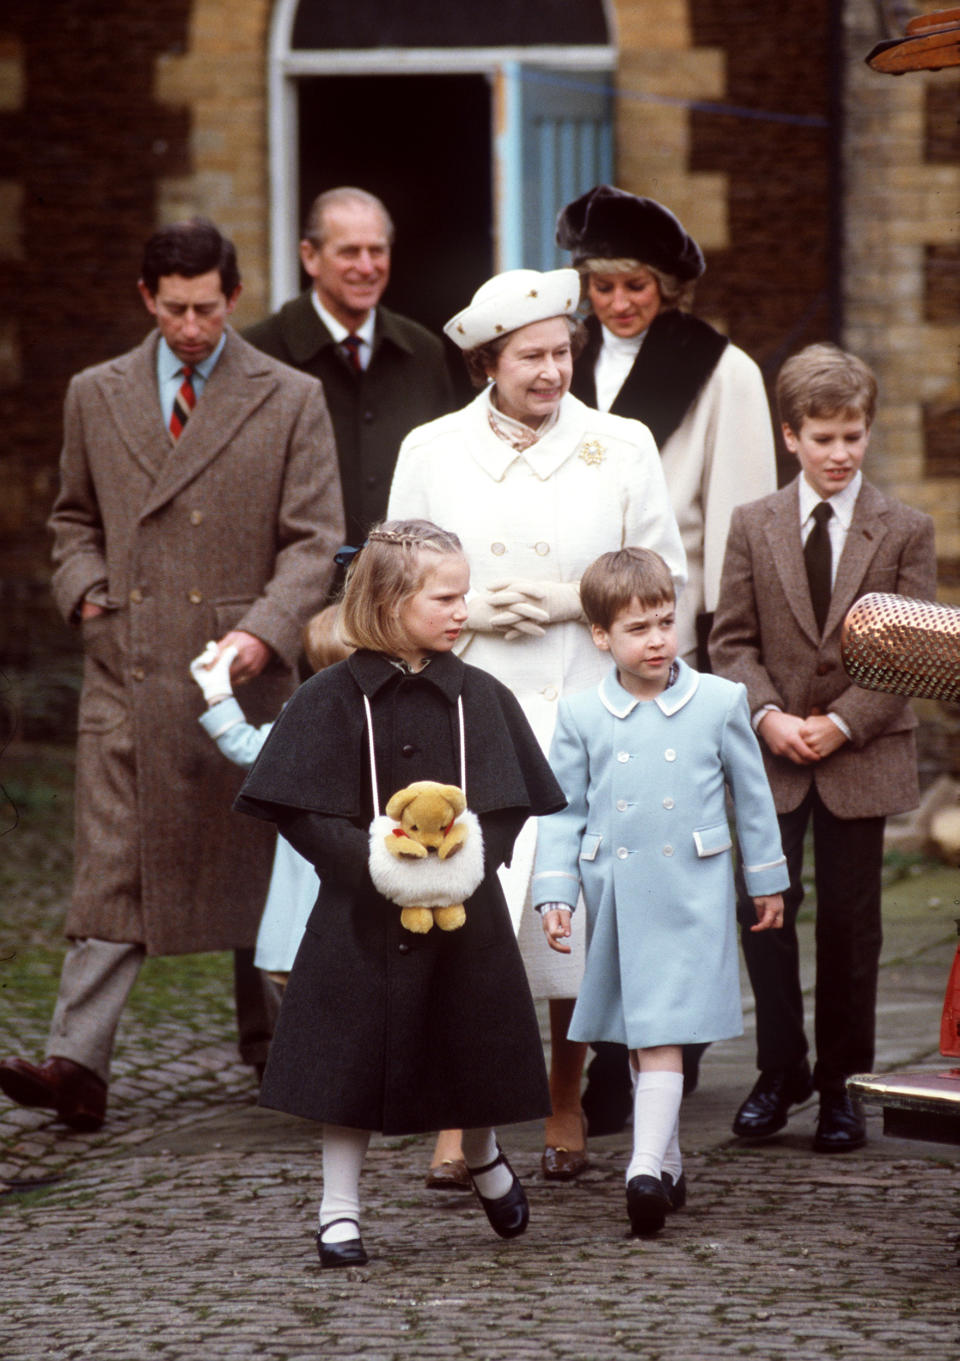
point(184, 1228)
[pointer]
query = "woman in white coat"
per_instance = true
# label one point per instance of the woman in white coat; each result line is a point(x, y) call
point(647, 358)
point(536, 485)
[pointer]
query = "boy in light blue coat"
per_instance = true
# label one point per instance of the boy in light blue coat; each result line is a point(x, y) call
point(645, 761)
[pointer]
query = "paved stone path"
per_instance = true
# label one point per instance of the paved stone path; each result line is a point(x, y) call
point(184, 1229)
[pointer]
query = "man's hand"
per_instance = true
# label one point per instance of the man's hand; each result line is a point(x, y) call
point(784, 735)
point(822, 735)
point(252, 655)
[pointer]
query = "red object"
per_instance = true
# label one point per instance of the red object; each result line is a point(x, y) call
point(950, 1019)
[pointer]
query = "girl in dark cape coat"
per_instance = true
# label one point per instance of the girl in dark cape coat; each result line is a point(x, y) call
point(381, 1028)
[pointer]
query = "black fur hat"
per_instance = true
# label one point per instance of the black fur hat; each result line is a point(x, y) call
point(612, 224)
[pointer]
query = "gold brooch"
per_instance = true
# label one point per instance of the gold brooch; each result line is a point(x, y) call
point(593, 453)
point(533, 293)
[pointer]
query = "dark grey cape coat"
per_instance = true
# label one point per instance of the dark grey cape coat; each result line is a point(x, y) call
point(381, 1029)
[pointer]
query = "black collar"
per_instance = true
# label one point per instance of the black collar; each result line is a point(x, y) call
point(373, 672)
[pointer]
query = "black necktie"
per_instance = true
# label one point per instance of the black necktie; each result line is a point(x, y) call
point(816, 553)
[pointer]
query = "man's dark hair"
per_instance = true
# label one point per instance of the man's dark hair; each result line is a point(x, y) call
point(190, 248)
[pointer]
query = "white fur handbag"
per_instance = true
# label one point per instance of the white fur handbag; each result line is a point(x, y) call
point(429, 890)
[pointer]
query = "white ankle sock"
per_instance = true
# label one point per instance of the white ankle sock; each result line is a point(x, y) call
point(672, 1158)
point(656, 1108)
point(343, 1153)
point(480, 1148)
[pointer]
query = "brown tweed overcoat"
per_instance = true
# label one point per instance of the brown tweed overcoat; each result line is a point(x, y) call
point(765, 635)
point(234, 527)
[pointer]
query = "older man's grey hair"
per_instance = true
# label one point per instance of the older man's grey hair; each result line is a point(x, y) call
point(315, 229)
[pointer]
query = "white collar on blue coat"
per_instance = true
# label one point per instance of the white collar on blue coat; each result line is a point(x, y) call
point(621, 703)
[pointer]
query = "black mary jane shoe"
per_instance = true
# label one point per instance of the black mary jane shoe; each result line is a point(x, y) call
point(676, 1190)
point(350, 1252)
point(508, 1214)
point(647, 1205)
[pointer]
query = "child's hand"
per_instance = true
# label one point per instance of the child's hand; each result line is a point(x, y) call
point(211, 671)
point(556, 928)
point(822, 735)
point(784, 735)
point(769, 910)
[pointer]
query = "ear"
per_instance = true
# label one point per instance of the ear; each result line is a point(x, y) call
point(400, 801)
point(234, 298)
point(789, 438)
point(453, 796)
point(600, 637)
point(308, 258)
point(149, 301)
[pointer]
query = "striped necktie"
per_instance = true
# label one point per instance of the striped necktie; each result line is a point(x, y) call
point(183, 403)
point(351, 344)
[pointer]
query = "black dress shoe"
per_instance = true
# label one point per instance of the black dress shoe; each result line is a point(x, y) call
point(647, 1204)
point(676, 1190)
point(350, 1252)
point(508, 1214)
point(608, 1096)
point(841, 1126)
point(77, 1095)
point(774, 1092)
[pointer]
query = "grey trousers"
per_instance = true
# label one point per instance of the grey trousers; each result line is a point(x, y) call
point(95, 982)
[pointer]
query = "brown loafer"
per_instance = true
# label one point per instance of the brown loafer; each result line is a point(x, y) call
point(563, 1164)
point(77, 1095)
point(450, 1175)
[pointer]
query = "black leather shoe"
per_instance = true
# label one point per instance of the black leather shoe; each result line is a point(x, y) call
point(841, 1126)
point(676, 1190)
point(350, 1252)
point(647, 1204)
point(774, 1092)
point(607, 1100)
point(508, 1214)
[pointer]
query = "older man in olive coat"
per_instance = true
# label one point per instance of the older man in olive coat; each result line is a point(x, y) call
point(199, 500)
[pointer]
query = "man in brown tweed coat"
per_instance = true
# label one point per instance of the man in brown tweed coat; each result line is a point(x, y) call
point(199, 499)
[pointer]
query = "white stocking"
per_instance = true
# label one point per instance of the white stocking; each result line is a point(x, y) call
point(343, 1152)
point(656, 1108)
point(480, 1148)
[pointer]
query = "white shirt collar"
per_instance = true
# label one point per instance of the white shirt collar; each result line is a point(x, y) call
point(337, 328)
point(621, 703)
point(842, 503)
point(622, 346)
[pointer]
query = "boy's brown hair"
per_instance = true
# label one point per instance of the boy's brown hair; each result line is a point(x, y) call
point(615, 579)
point(823, 381)
point(386, 572)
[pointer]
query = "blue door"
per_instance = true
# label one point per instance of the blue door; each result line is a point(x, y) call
point(555, 142)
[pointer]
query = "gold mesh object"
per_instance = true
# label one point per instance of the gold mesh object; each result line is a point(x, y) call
point(906, 647)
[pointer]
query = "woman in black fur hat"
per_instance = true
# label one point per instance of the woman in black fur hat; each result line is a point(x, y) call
point(647, 358)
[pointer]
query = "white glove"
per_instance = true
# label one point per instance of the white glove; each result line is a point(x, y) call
point(212, 672)
point(504, 613)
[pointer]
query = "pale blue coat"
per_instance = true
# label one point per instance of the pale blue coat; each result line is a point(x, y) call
point(645, 833)
point(293, 880)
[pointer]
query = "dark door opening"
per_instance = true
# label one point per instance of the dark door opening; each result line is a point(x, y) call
point(423, 145)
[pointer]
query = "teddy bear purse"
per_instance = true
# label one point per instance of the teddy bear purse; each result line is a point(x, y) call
point(426, 851)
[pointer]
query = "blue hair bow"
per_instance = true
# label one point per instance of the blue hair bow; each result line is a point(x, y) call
point(345, 555)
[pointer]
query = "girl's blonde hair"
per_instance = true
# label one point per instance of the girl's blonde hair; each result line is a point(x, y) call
point(390, 568)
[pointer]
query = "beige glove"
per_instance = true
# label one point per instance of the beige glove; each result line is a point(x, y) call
point(509, 613)
point(555, 602)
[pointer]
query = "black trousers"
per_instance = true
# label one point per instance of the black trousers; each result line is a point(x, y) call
point(848, 856)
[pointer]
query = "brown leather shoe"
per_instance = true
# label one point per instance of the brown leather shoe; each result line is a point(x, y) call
point(450, 1175)
point(77, 1095)
point(563, 1164)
